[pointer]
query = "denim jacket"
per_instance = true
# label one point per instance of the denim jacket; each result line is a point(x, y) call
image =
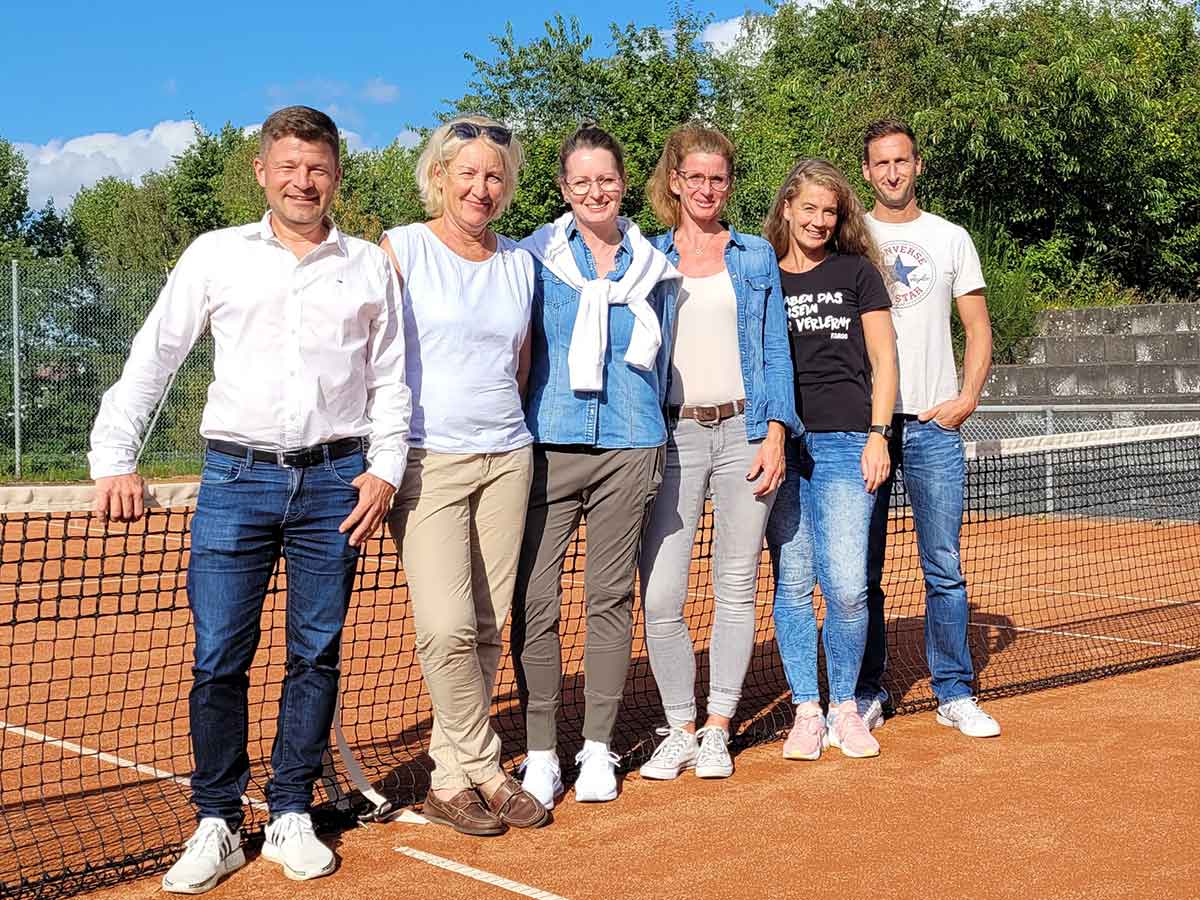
point(767, 373)
point(628, 412)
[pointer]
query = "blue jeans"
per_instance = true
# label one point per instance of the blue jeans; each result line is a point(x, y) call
point(931, 458)
point(247, 515)
point(818, 532)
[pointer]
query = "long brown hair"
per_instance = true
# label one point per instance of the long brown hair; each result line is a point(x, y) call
point(683, 140)
point(851, 234)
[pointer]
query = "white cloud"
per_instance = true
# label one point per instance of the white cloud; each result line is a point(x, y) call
point(408, 138)
point(59, 168)
point(379, 91)
point(722, 35)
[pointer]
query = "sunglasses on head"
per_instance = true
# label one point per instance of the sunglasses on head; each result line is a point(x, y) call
point(468, 131)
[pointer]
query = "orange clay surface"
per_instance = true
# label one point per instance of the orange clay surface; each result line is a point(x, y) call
point(1091, 792)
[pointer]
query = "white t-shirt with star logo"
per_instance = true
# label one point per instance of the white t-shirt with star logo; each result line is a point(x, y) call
point(927, 262)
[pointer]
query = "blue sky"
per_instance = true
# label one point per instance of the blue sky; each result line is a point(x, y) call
point(108, 87)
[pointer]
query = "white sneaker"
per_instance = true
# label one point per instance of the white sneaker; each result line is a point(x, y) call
point(871, 709)
point(713, 760)
point(292, 843)
point(211, 853)
point(675, 754)
point(543, 777)
point(965, 715)
point(597, 781)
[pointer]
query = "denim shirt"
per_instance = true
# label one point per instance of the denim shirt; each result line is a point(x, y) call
point(628, 411)
point(767, 372)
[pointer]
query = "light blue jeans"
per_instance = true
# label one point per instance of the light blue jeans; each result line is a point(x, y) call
point(701, 458)
point(930, 458)
point(818, 532)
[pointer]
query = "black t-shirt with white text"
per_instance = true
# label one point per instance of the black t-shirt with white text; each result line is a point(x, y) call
point(824, 309)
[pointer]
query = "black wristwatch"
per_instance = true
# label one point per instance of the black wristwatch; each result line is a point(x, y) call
point(885, 430)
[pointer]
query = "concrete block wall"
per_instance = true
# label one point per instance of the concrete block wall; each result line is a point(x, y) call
point(1139, 354)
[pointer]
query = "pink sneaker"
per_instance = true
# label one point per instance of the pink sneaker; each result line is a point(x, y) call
point(807, 736)
point(849, 732)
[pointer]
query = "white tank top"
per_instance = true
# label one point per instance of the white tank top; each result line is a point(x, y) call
point(706, 365)
point(464, 323)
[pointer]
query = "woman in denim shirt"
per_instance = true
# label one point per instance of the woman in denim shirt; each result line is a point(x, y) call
point(600, 340)
point(731, 405)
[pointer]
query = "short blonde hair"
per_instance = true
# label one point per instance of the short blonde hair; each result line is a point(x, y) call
point(691, 138)
point(444, 145)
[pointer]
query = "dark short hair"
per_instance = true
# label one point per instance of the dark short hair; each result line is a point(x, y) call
point(302, 122)
point(882, 128)
point(591, 137)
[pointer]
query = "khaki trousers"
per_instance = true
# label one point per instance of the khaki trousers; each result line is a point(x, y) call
point(457, 522)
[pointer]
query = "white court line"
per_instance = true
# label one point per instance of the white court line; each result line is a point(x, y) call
point(121, 761)
point(1082, 634)
point(479, 875)
point(1101, 596)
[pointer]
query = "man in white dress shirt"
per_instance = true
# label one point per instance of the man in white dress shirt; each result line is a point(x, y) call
point(306, 426)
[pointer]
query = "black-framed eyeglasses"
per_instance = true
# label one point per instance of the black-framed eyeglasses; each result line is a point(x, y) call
point(468, 131)
point(696, 180)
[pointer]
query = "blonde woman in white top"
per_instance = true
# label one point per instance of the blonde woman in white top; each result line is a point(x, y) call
point(731, 404)
point(460, 510)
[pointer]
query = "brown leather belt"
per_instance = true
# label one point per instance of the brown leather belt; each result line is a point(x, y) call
point(709, 413)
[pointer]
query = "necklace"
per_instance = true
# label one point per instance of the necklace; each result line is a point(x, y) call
point(698, 249)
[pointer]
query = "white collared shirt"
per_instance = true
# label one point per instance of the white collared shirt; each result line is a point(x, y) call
point(306, 351)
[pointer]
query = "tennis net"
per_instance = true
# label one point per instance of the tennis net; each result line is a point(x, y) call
point(1079, 550)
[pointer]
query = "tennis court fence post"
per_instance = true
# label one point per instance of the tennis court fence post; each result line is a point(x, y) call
point(16, 369)
point(1049, 413)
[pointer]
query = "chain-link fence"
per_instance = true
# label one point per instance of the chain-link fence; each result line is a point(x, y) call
point(65, 331)
point(992, 422)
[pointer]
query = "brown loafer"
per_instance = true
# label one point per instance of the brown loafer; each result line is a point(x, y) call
point(465, 812)
point(515, 806)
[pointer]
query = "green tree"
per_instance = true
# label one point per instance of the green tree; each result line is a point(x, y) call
point(14, 191)
point(196, 178)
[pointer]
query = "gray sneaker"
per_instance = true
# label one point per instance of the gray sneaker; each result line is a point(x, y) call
point(870, 709)
point(676, 753)
point(713, 760)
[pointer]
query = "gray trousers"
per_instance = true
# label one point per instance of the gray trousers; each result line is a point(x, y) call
point(611, 490)
point(701, 459)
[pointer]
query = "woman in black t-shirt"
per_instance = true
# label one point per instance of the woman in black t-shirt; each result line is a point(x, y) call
point(844, 353)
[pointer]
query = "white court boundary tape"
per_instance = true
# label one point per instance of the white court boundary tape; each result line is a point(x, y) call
point(466, 871)
point(111, 759)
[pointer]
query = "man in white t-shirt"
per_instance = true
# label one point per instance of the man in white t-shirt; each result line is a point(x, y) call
point(929, 262)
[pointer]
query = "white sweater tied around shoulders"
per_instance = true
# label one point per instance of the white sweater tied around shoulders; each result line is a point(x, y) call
point(589, 338)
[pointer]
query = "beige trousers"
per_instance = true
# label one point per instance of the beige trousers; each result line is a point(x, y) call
point(457, 522)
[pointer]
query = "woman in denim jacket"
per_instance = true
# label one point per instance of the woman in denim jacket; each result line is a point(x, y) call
point(603, 304)
point(730, 405)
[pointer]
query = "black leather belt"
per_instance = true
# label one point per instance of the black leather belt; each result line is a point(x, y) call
point(293, 459)
point(710, 413)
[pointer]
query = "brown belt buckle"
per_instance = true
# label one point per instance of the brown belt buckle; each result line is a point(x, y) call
point(708, 416)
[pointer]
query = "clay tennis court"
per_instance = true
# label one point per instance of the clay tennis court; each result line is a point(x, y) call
point(94, 669)
point(1072, 801)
